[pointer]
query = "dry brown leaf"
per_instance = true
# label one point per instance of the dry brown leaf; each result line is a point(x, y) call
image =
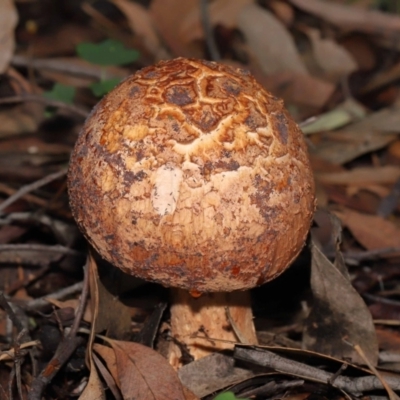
point(352, 18)
point(8, 22)
point(372, 231)
point(142, 25)
point(385, 120)
point(269, 40)
point(94, 389)
point(73, 303)
point(144, 374)
point(112, 316)
point(332, 61)
point(340, 147)
point(361, 176)
point(24, 117)
point(223, 12)
point(299, 89)
point(378, 190)
point(338, 316)
point(108, 355)
point(362, 50)
point(283, 11)
point(168, 17)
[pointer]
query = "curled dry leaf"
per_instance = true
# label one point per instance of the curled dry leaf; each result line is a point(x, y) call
point(142, 373)
point(339, 318)
point(269, 41)
point(371, 231)
point(8, 22)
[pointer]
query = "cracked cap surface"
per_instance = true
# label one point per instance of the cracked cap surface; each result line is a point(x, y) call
point(191, 175)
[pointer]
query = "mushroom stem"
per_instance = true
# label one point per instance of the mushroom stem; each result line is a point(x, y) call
point(209, 323)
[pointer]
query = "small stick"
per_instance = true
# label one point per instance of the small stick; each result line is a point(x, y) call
point(41, 99)
point(66, 348)
point(355, 386)
point(60, 294)
point(31, 187)
point(392, 395)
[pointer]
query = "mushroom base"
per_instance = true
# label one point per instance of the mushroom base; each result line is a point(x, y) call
point(209, 323)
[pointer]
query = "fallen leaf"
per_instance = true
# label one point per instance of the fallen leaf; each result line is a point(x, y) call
point(94, 389)
point(343, 114)
point(270, 41)
point(362, 50)
point(108, 355)
point(352, 18)
point(371, 231)
point(332, 61)
point(109, 314)
point(340, 147)
point(142, 25)
point(361, 176)
point(297, 88)
point(169, 25)
point(144, 374)
point(386, 120)
point(8, 22)
point(283, 11)
point(211, 374)
point(339, 318)
point(73, 303)
point(221, 12)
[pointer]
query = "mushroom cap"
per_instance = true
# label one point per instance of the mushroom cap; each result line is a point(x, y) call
point(190, 174)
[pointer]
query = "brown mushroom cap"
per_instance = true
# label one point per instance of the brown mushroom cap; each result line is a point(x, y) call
point(192, 175)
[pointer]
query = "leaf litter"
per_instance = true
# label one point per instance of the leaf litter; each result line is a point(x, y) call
point(335, 65)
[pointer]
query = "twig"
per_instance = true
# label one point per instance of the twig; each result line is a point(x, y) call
point(382, 300)
point(10, 313)
point(56, 248)
point(60, 294)
point(360, 351)
point(34, 254)
point(48, 102)
point(66, 348)
point(64, 66)
point(208, 31)
point(31, 187)
point(370, 254)
point(356, 386)
point(82, 304)
point(9, 354)
point(272, 388)
point(28, 197)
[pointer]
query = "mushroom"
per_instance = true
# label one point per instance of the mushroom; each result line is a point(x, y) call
point(190, 174)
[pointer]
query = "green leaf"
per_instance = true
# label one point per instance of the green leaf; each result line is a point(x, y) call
point(109, 52)
point(103, 87)
point(61, 92)
point(227, 396)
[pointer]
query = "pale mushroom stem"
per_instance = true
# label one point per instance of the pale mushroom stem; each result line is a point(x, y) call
point(195, 322)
